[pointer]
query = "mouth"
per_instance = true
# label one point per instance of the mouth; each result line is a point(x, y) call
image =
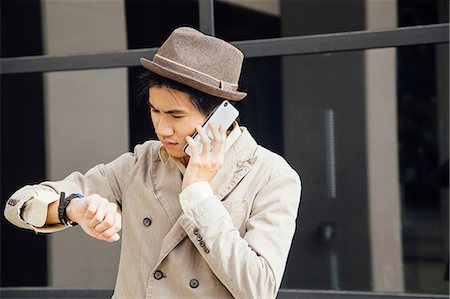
point(169, 144)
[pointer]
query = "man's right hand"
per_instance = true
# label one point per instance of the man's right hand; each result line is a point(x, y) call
point(98, 217)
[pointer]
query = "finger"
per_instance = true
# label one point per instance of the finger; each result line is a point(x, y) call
point(93, 203)
point(223, 130)
point(218, 142)
point(99, 215)
point(193, 147)
point(205, 140)
point(215, 132)
point(110, 219)
point(112, 234)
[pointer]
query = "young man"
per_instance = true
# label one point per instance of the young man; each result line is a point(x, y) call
point(216, 224)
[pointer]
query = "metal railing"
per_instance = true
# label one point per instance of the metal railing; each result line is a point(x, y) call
point(300, 45)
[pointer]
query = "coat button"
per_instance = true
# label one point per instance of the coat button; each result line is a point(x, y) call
point(195, 231)
point(202, 243)
point(199, 237)
point(147, 221)
point(158, 274)
point(193, 283)
point(206, 249)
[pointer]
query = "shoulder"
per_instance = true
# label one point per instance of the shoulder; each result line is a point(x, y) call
point(265, 162)
point(146, 149)
point(273, 164)
point(273, 176)
point(142, 154)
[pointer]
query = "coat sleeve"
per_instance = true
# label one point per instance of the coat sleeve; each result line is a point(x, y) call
point(251, 266)
point(106, 180)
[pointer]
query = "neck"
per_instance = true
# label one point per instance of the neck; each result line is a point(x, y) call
point(186, 160)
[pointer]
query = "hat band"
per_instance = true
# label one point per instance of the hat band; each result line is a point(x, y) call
point(163, 61)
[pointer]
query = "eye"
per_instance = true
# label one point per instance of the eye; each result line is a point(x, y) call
point(177, 116)
point(154, 110)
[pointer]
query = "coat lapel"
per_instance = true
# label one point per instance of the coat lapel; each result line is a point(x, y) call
point(238, 162)
point(172, 239)
point(167, 182)
point(225, 181)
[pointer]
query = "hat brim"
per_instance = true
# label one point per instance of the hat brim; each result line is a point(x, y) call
point(191, 82)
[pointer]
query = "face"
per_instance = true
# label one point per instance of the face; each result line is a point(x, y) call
point(174, 117)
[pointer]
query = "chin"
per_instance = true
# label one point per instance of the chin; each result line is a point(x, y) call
point(176, 153)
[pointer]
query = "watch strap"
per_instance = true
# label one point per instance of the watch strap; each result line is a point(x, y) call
point(62, 208)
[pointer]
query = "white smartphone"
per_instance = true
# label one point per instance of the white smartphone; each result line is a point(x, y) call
point(224, 114)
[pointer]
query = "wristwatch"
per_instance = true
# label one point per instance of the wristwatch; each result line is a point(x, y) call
point(62, 208)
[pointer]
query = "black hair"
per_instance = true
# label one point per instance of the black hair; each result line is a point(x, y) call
point(203, 102)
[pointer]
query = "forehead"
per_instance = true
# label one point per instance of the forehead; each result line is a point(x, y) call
point(167, 98)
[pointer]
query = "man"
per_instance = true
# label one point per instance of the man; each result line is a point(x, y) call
point(216, 224)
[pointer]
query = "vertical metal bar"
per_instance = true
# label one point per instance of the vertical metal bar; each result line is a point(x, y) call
point(330, 153)
point(334, 269)
point(331, 184)
point(206, 15)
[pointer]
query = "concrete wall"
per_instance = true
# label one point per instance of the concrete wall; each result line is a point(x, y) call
point(86, 124)
point(382, 154)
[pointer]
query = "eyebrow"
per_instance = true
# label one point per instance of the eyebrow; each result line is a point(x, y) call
point(171, 111)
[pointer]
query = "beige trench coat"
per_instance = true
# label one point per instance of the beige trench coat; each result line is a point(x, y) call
point(233, 244)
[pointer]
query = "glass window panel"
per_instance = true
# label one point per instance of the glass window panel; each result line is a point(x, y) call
point(150, 22)
point(241, 20)
point(22, 162)
point(20, 38)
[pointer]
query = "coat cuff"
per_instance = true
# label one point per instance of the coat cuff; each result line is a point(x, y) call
point(194, 194)
point(35, 210)
point(15, 209)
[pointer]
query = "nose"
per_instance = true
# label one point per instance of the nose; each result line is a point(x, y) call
point(163, 127)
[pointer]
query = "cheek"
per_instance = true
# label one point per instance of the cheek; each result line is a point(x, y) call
point(187, 127)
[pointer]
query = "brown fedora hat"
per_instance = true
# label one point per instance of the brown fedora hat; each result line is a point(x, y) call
point(202, 62)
